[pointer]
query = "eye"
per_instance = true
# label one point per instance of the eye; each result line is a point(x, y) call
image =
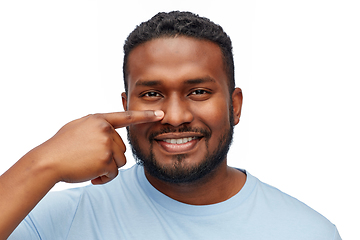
point(150, 95)
point(199, 94)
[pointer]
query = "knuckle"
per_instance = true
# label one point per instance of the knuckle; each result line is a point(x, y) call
point(129, 116)
point(94, 116)
point(106, 157)
point(120, 161)
point(101, 124)
point(106, 127)
point(107, 143)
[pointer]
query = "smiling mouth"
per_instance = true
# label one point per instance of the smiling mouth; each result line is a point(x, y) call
point(178, 143)
point(179, 140)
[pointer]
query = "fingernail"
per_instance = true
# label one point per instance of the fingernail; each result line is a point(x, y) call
point(159, 113)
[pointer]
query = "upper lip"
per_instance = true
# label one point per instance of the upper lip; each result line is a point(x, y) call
point(177, 135)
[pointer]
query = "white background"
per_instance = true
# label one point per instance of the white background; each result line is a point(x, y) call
point(296, 61)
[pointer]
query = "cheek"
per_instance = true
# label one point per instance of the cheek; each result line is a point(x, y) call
point(137, 105)
point(214, 113)
point(140, 128)
point(139, 131)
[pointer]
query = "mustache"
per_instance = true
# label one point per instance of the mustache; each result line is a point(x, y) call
point(205, 132)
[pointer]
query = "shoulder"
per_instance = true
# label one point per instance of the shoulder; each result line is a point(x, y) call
point(57, 212)
point(63, 202)
point(280, 207)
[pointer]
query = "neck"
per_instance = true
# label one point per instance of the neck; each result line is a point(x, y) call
point(218, 186)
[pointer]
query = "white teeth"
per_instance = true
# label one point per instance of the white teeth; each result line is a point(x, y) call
point(179, 140)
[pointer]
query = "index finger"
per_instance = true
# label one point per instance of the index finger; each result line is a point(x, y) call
point(123, 119)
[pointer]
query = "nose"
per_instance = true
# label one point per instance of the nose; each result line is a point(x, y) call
point(177, 111)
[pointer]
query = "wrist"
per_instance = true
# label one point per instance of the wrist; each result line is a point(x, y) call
point(42, 167)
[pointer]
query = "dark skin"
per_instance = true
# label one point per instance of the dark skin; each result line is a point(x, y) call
point(85, 149)
point(184, 76)
point(89, 148)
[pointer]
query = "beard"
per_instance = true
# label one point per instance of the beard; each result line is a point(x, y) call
point(178, 172)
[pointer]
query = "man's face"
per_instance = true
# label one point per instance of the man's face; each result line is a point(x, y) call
point(185, 78)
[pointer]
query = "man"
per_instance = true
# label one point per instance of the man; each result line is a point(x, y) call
point(180, 105)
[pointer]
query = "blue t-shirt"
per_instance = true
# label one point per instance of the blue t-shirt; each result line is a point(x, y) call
point(129, 207)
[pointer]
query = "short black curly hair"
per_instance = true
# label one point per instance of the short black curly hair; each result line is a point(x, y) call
point(178, 23)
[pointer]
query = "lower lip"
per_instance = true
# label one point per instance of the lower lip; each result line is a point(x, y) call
point(178, 148)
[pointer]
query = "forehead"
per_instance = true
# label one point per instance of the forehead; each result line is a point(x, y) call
point(175, 59)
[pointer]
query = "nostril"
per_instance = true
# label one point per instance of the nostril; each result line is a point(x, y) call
point(177, 117)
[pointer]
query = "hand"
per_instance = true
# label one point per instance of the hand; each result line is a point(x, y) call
point(89, 148)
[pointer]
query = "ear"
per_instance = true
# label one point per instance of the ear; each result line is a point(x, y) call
point(237, 99)
point(124, 100)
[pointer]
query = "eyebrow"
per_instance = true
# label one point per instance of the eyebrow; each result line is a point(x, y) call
point(151, 83)
point(148, 83)
point(199, 80)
